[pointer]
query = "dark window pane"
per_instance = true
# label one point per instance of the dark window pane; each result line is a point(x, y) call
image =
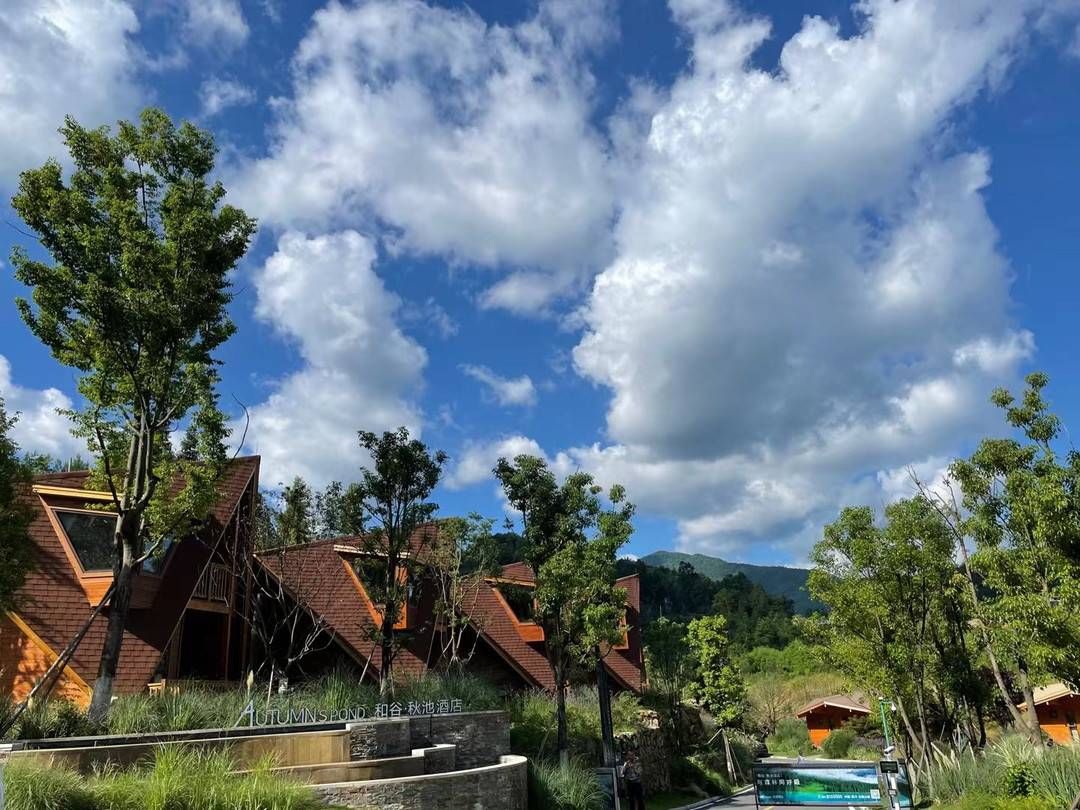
point(155, 563)
point(520, 600)
point(92, 538)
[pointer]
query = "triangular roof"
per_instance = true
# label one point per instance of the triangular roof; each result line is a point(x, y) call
point(852, 703)
point(1047, 694)
point(320, 574)
point(53, 604)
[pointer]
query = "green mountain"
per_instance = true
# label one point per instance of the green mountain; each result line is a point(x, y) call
point(777, 580)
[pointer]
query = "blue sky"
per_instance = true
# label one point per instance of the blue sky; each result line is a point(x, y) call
point(753, 260)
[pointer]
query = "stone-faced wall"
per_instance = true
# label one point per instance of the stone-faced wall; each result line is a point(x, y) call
point(378, 739)
point(493, 787)
point(480, 738)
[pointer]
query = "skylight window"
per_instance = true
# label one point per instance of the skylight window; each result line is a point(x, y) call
point(91, 537)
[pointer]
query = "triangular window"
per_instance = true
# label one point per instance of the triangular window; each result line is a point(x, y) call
point(91, 535)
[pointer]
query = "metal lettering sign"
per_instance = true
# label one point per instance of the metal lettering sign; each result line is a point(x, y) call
point(252, 716)
point(826, 784)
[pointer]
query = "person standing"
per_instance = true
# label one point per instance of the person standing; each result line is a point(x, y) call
point(631, 774)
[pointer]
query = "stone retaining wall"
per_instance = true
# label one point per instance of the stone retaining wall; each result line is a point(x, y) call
point(480, 738)
point(493, 787)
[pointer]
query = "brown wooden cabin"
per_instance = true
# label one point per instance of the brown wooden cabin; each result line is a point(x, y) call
point(1057, 707)
point(825, 715)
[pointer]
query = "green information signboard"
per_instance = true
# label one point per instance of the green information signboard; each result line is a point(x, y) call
point(825, 784)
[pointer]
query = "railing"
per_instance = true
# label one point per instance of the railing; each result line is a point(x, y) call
point(213, 585)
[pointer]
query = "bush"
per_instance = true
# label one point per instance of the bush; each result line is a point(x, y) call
point(51, 718)
point(838, 744)
point(700, 771)
point(178, 779)
point(791, 738)
point(533, 726)
point(554, 787)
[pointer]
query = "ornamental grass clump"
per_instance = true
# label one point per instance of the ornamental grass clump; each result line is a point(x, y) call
point(564, 787)
point(178, 779)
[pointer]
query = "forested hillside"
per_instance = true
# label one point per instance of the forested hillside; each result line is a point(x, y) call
point(777, 580)
point(754, 617)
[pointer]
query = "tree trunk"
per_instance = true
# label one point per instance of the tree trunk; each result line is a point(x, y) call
point(1031, 723)
point(560, 715)
point(386, 648)
point(124, 581)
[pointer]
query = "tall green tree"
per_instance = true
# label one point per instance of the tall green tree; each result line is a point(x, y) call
point(462, 555)
point(717, 683)
point(571, 542)
point(296, 520)
point(16, 550)
point(135, 299)
point(339, 510)
point(668, 658)
point(394, 496)
point(1022, 503)
point(897, 613)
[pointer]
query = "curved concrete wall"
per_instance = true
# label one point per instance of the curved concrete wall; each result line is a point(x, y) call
point(492, 787)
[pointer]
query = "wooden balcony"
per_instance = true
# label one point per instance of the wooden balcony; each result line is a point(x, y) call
point(213, 585)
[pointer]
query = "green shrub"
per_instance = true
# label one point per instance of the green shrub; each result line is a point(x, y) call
point(178, 779)
point(1018, 780)
point(838, 744)
point(791, 738)
point(555, 787)
point(533, 725)
point(51, 718)
point(701, 771)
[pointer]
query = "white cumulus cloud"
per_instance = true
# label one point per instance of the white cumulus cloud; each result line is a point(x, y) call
point(806, 289)
point(467, 140)
point(214, 22)
point(505, 390)
point(39, 427)
point(61, 57)
point(216, 94)
point(360, 371)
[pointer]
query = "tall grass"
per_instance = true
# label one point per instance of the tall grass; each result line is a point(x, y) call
point(533, 721)
point(178, 779)
point(1011, 768)
point(197, 707)
point(570, 787)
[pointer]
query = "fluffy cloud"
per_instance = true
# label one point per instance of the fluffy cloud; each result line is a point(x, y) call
point(217, 94)
point(359, 369)
point(806, 289)
point(465, 139)
point(478, 459)
point(60, 57)
point(39, 427)
point(506, 390)
point(214, 22)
